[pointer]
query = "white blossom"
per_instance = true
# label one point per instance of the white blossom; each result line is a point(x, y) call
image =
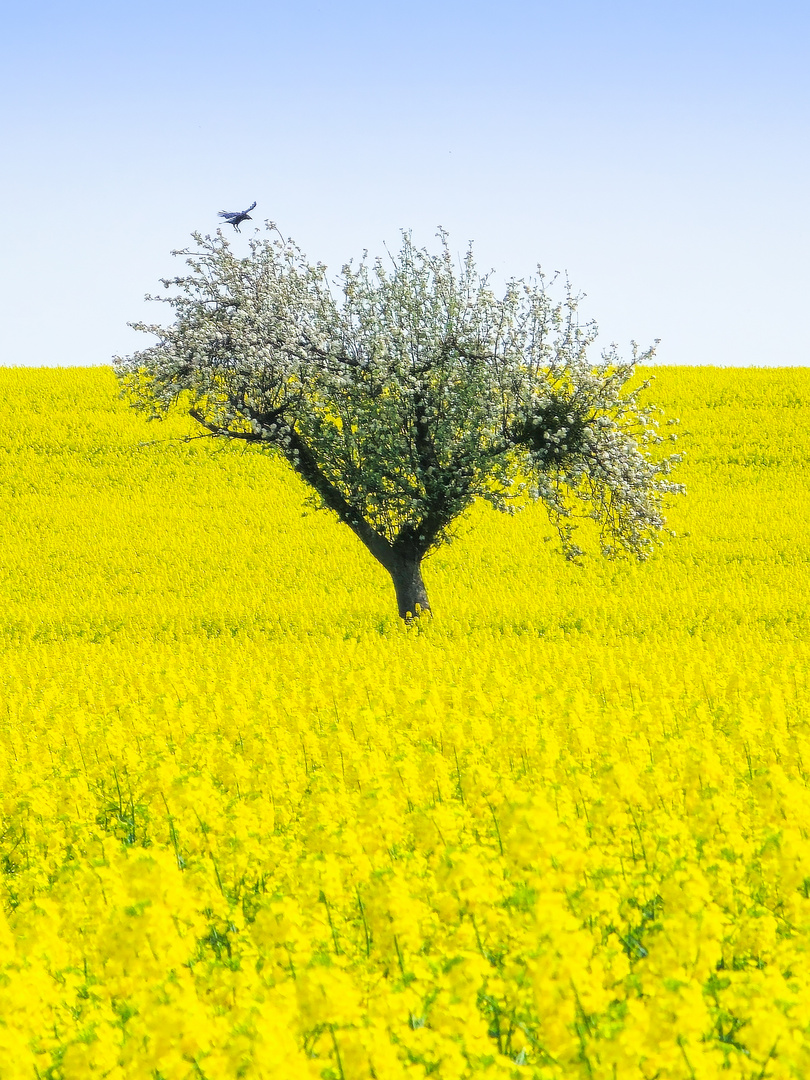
point(409, 390)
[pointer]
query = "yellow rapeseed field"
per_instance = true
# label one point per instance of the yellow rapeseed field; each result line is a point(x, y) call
point(253, 825)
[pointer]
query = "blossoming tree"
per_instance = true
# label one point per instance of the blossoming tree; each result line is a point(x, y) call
point(405, 391)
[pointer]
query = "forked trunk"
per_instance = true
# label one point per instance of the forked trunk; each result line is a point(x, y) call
point(406, 572)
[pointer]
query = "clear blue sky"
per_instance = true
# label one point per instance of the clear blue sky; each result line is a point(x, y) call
point(658, 152)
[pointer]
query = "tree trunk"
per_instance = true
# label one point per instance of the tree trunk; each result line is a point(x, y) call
point(406, 572)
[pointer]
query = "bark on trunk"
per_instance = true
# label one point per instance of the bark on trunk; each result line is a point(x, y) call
point(412, 599)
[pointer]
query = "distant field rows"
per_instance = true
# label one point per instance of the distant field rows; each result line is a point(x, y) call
point(254, 826)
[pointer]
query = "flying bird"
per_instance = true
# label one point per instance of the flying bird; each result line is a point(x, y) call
point(236, 217)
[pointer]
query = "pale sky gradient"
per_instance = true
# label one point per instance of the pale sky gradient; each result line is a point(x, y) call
point(656, 151)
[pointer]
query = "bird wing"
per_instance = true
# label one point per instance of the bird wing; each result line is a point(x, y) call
point(251, 207)
point(229, 213)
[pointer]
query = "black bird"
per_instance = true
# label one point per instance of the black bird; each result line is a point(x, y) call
point(236, 217)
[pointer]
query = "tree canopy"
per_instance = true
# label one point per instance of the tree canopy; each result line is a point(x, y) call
point(405, 389)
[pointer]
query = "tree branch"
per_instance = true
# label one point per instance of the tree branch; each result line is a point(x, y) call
point(300, 457)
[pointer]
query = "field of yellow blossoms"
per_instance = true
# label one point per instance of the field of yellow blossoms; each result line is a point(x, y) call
point(255, 826)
